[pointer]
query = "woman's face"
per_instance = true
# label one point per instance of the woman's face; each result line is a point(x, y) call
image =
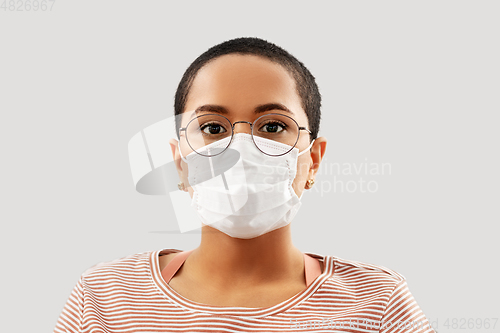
point(239, 84)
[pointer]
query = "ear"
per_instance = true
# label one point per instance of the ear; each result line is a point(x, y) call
point(318, 150)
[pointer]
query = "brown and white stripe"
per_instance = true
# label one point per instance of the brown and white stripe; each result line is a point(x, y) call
point(130, 295)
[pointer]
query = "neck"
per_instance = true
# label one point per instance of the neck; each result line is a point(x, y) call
point(270, 257)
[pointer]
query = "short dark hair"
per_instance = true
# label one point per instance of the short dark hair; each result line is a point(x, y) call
point(307, 88)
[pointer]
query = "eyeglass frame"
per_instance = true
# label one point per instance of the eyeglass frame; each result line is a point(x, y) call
point(251, 132)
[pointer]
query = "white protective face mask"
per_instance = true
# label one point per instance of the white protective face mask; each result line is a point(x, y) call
point(243, 192)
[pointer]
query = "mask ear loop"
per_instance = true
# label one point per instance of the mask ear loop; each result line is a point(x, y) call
point(307, 148)
point(180, 152)
point(310, 145)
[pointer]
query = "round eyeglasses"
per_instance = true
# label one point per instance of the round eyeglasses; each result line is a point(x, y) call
point(209, 128)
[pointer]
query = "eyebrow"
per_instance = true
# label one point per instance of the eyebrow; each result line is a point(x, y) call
point(259, 109)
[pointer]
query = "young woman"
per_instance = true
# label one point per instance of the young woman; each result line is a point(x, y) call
point(248, 116)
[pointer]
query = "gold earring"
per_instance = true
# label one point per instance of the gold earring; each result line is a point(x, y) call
point(309, 183)
point(181, 186)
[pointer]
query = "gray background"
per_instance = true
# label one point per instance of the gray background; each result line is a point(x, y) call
point(412, 84)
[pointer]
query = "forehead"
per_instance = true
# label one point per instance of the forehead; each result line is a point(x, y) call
point(241, 82)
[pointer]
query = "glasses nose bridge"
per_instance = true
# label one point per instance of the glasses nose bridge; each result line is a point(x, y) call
point(242, 122)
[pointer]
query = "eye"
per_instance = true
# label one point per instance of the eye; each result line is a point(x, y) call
point(212, 129)
point(273, 126)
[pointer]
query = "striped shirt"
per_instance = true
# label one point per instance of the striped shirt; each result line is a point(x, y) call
point(130, 295)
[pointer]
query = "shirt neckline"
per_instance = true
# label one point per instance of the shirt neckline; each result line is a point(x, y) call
point(192, 306)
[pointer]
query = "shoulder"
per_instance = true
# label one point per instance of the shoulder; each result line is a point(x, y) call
point(359, 278)
point(351, 268)
point(134, 265)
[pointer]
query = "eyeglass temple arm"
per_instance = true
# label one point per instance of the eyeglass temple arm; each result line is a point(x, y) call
point(305, 129)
